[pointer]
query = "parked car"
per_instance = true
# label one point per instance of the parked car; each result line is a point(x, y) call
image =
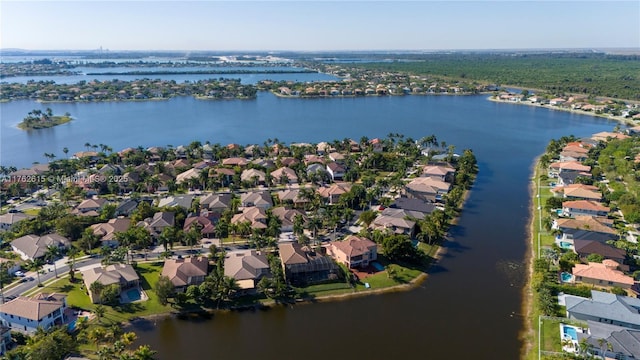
point(19, 273)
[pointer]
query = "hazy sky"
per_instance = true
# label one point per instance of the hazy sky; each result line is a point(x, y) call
point(318, 25)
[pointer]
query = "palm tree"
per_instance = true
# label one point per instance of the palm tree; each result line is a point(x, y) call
point(36, 265)
point(99, 310)
point(96, 289)
point(51, 255)
point(144, 352)
point(367, 217)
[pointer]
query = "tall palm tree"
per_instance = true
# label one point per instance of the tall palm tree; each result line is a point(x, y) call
point(36, 265)
point(51, 254)
point(144, 352)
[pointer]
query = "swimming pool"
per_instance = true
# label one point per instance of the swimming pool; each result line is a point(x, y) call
point(133, 294)
point(570, 332)
point(377, 266)
point(72, 324)
point(566, 277)
point(565, 245)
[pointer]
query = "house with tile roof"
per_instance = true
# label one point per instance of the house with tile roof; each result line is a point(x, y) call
point(184, 201)
point(287, 217)
point(354, 251)
point(440, 172)
point(604, 274)
point(396, 221)
point(578, 192)
point(89, 207)
point(284, 176)
point(25, 314)
point(31, 247)
point(584, 207)
point(303, 266)
point(122, 275)
point(216, 203)
point(605, 308)
point(207, 229)
point(254, 215)
point(336, 171)
point(426, 189)
point(559, 167)
point(333, 192)
point(107, 231)
point(584, 228)
point(584, 248)
point(10, 219)
point(160, 220)
point(247, 267)
point(253, 176)
point(261, 199)
point(186, 272)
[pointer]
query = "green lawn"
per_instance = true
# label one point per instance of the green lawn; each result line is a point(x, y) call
point(77, 296)
point(551, 335)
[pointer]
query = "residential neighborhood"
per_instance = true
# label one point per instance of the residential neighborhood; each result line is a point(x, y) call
point(586, 270)
point(209, 226)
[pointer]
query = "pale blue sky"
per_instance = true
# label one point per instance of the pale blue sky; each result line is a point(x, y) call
point(318, 25)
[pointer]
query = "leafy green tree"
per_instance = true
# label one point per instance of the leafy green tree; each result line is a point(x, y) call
point(164, 290)
point(51, 255)
point(399, 248)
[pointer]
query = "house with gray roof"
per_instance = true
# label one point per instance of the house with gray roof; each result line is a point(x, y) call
point(10, 219)
point(183, 201)
point(122, 275)
point(159, 221)
point(31, 247)
point(624, 343)
point(261, 199)
point(216, 203)
point(605, 308)
point(413, 204)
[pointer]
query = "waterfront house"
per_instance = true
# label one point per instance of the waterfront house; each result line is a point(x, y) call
point(28, 314)
point(606, 136)
point(395, 221)
point(186, 272)
point(412, 204)
point(354, 251)
point(31, 247)
point(557, 168)
point(605, 308)
point(584, 228)
point(584, 207)
point(261, 199)
point(426, 189)
point(604, 274)
point(440, 172)
point(621, 342)
point(122, 275)
point(584, 248)
point(303, 266)
point(578, 192)
point(247, 267)
point(106, 232)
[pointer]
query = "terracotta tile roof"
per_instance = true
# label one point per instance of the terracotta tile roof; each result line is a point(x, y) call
point(604, 271)
point(584, 223)
point(354, 245)
point(585, 205)
point(179, 271)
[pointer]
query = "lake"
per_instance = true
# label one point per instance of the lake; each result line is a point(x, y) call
point(469, 307)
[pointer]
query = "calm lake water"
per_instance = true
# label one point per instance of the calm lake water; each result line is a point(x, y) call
point(469, 307)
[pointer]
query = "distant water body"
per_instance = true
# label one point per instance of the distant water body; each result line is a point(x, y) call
point(469, 307)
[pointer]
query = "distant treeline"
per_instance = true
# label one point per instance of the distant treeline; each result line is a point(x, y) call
point(597, 74)
point(205, 72)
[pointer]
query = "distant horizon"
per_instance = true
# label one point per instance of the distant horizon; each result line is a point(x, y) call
point(313, 26)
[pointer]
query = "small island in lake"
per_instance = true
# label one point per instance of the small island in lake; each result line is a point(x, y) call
point(36, 119)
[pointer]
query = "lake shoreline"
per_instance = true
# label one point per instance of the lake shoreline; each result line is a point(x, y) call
point(619, 119)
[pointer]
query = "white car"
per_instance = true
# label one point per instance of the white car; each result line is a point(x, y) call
point(19, 273)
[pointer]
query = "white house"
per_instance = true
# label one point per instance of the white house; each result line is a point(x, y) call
point(27, 314)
